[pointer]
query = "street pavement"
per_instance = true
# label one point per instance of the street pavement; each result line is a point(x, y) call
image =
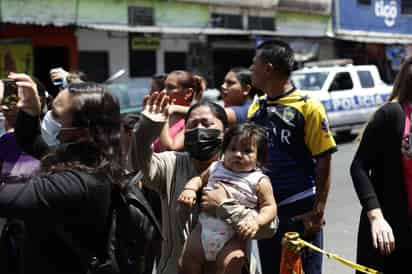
point(342, 211)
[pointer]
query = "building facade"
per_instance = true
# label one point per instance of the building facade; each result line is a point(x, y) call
point(148, 37)
point(380, 35)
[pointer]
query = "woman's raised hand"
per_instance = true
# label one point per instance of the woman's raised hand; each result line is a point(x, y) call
point(155, 106)
point(29, 100)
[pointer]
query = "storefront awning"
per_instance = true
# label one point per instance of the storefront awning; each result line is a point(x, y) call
point(185, 30)
point(373, 37)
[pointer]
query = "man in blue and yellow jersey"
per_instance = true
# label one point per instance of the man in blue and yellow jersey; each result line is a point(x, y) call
point(300, 148)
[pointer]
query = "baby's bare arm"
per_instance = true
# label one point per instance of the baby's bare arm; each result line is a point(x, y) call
point(188, 195)
point(249, 226)
point(196, 183)
point(267, 203)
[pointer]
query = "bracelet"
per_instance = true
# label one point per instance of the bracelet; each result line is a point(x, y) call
point(190, 188)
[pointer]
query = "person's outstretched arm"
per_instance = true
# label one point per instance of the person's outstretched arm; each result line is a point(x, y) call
point(27, 129)
point(177, 142)
point(153, 165)
point(319, 140)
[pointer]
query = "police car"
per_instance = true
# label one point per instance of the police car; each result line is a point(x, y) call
point(349, 93)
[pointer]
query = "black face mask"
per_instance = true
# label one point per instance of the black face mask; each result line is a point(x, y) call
point(203, 143)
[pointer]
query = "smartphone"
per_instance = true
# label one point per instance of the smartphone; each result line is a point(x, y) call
point(10, 95)
point(57, 82)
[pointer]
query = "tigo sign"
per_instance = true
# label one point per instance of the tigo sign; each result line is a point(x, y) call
point(388, 11)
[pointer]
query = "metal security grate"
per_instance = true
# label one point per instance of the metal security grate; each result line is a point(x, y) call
point(261, 23)
point(230, 21)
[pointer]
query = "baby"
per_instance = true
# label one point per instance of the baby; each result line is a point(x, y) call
point(213, 240)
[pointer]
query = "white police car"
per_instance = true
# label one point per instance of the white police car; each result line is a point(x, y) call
point(349, 93)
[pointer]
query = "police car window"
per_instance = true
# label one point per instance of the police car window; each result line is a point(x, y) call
point(366, 79)
point(342, 81)
point(309, 80)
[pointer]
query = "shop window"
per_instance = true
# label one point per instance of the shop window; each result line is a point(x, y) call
point(140, 16)
point(342, 81)
point(175, 61)
point(95, 65)
point(261, 23)
point(364, 2)
point(366, 79)
point(230, 21)
point(406, 7)
point(142, 63)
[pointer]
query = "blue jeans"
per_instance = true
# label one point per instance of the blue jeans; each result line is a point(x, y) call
point(270, 249)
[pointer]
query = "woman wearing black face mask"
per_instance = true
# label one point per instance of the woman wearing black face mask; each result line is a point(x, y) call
point(168, 172)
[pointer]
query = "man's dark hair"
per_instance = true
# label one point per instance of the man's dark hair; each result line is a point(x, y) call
point(279, 54)
point(248, 130)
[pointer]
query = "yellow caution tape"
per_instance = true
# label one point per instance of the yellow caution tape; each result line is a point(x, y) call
point(298, 244)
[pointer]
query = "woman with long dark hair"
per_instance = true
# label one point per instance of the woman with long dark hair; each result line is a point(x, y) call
point(382, 175)
point(72, 191)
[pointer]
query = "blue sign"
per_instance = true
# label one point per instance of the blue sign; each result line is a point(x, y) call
point(382, 16)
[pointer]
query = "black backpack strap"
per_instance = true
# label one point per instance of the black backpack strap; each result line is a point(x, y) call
point(88, 259)
point(135, 196)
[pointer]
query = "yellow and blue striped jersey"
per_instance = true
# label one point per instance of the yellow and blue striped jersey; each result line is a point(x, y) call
point(298, 132)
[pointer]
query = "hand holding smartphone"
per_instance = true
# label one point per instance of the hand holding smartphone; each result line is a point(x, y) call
point(26, 90)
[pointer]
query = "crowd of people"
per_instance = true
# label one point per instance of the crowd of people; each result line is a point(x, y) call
point(218, 176)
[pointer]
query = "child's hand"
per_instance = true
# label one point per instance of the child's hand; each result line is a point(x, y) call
point(187, 197)
point(248, 228)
